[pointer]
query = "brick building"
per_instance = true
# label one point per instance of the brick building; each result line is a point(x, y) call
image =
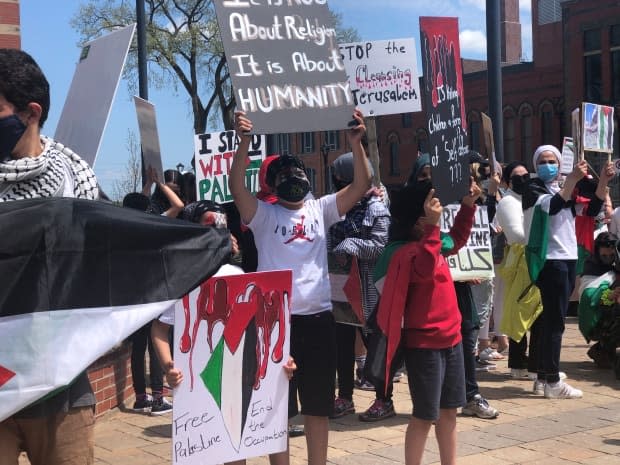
point(576, 58)
point(9, 24)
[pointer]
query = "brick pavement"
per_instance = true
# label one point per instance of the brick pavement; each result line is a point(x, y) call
point(529, 430)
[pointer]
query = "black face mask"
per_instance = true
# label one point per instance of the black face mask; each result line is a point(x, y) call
point(519, 182)
point(293, 188)
point(11, 130)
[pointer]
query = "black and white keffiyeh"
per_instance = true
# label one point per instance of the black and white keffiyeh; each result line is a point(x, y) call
point(46, 175)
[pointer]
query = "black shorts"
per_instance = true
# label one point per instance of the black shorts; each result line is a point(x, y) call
point(313, 346)
point(436, 380)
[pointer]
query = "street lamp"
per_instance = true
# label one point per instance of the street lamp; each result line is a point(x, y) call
point(180, 167)
point(325, 152)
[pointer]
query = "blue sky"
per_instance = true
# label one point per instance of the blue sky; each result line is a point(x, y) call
point(49, 38)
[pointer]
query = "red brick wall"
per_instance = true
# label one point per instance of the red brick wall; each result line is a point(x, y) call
point(110, 377)
point(9, 24)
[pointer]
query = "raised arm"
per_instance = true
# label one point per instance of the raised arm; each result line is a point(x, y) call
point(176, 204)
point(244, 200)
point(348, 196)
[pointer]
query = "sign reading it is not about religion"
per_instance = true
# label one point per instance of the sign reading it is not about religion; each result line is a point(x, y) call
point(285, 66)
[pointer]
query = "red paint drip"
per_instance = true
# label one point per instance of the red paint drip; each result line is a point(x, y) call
point(5, 375)
point(270, 313)
point(186, 341)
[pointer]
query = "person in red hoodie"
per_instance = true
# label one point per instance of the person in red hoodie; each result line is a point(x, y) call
point(425, 319)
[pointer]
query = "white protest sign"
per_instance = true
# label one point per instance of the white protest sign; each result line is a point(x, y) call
point(87, 108)
point(383, 76)
point(149, 137)
point(568, 156)
point(475, 259)
point(231, 341)
point(598, 128)
point(214, 154)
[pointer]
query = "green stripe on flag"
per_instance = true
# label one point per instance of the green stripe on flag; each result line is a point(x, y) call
point(212, 374)
point(589, 310)
point(536, 249)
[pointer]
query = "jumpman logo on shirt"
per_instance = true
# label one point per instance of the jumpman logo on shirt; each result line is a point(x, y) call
point(299, 233)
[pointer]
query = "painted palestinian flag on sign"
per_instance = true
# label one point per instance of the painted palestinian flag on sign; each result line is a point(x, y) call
point(80, 276)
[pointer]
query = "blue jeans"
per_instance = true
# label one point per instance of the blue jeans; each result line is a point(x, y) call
point(556, 282)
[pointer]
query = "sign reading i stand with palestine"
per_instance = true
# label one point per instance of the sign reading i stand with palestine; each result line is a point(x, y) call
point(445, 107)
point(286, 70)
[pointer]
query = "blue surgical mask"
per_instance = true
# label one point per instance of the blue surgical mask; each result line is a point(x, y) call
point(11, 130)
point(548, 172)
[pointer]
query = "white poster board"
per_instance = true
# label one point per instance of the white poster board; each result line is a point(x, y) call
point(231, 341)
point(213, 153)
point(149, 137)
point(383, 76)
point(87, 108)
point(568, 156)
point(475, 259)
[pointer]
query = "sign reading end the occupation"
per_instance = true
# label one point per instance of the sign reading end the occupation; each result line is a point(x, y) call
point(285, 66)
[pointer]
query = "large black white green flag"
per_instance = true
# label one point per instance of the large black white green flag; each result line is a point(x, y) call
point(78, 277)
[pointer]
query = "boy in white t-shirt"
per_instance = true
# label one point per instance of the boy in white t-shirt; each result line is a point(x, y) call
point(290, 234)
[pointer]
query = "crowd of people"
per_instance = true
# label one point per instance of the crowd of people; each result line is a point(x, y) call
point(432, 328)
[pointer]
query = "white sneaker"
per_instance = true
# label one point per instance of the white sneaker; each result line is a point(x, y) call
point(518, 373)
point(534, 376)
point(562, 375)
point(562, 390)
point(490, 355)
point(539, 387)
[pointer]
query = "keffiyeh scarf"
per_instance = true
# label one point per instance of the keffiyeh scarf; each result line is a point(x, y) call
point(46, 175)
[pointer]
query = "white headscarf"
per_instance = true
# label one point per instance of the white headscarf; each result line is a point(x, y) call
point(546, 148)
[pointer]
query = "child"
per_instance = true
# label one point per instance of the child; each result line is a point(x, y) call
point(428, 314)
point(290, 234)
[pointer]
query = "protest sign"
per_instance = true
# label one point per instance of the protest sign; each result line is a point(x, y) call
point(475, 259)
point(285, 66)
point(598, 128)
point(487, 129)
point(383, 76)
point(445, 107)
point(568, 156)
point(233, 401)
point(87, 108)
point(576, 133)
point(214, 154)
point(149, 138)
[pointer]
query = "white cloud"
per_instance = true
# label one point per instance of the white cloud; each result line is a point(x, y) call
point(473, 42)
point(480, 4)
point(525, 5)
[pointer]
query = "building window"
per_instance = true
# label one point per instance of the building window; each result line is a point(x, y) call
point(279, 144)
point(592, 66)
point(526, 136)
point(307, 142)
point(422, 137)
point(311, 173)
point(509, 136)
point(407, 120)
point(331, 139)
point(546, 125)
point(394, 159)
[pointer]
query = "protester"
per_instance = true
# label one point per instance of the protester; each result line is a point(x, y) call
point(418, 295)
point(59, 428)
point(552, 256)
point(291, 234)
point(160, 203)
point(361, 237)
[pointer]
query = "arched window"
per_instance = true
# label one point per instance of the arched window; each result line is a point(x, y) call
point(422, 137)
point(525, 119)
point(546, 123)
point(509, 134)
point(394, 145)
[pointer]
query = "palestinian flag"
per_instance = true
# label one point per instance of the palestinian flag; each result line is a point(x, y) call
point(536, 203)
point(590, 292)
point(80, 276)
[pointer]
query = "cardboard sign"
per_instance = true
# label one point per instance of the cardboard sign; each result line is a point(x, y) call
point(149, 137)
point(445, 107)
point(576, 132)
point(568, 156)
point(383, 76)
point(475, 259)
point(285, 66)
point(87, 108)
point(489, 143)
point(231, 341)
point(598, 128)
point(214, 154)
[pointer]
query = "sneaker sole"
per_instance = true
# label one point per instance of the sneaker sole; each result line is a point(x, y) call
point(162, 412)
point(141, 410)
point(369, 419)
point(471, 413)
point(342, 414)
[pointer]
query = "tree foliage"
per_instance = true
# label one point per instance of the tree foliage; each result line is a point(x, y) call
point(183, 49)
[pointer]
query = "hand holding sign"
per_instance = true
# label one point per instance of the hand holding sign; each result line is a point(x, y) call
point(607, 172)
point(358, 128)
point(432, 208)
point(474, 193)
point(243, 125)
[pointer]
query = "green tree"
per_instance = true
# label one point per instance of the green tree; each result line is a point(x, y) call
point(183, 48)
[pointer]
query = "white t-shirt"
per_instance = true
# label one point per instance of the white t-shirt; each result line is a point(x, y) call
point(296, 240)
point(225, 270)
